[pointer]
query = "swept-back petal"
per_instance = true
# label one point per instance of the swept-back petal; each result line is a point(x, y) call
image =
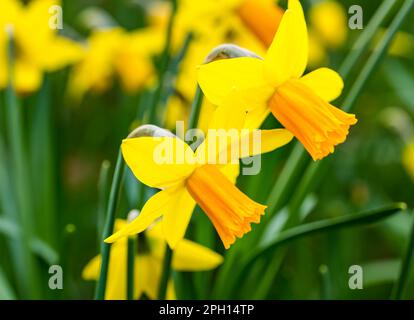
point(157, 205)
point(325, 82)
point(191, 256)
point(158, 162)
point(267, 140)
point(288, 54)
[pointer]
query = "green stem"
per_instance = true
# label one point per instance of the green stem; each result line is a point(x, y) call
point(166, 273)
point(103, 184)
point(362, 43)
point(131, 267)
point(43, 165)
point(195, 109)
point(406, 267)
point(30, 278)
point(376, 57)
point(109, 226)
point(173, 70)
point(286, 182)
point(326, 290)
point(165, 59)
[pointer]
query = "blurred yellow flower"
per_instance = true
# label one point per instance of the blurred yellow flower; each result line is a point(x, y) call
point(401, 46)
point(187, 256)
point(39, 48)
point(408, 159)
point(189, 177)
point(328, 30)
point(262, 17)
point(329, 20)
point(113, 52)
point(275, 84)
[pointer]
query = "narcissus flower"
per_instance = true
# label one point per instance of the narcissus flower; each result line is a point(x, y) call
point(187, 256)
point(328, 30)
point(204, 177)
point(115, 52)
point(38, 47)
point(275, 84)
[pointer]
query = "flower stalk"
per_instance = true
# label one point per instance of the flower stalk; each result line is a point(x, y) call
point(109, 226)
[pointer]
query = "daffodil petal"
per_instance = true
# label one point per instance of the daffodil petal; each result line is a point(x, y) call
point(231, 171)
point(325, 82)
point(177, 217)
point(116, 283)
point(288, 54)
point(150, 276)
point(255, 118)
point(91, 270)
point(158, 162)
point(273, 139)
point(262, 141)
point(228, 146)
point(217, 80)
point(228, 117)
point(140, 274)
point(191, 256)
point(28, 77)
point(151, 211)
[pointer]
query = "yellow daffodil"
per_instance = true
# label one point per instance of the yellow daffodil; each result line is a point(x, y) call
point(275, 84)
point(38, 47)
point(329, 21)
point(328, 30)
point(199, 177)
point(401, 46)
point(113, 52)
point(187, 256)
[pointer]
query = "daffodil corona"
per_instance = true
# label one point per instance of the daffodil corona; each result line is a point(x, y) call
point(276, 85)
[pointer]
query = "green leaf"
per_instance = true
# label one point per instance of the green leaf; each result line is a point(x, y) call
point(314, 228)
point(402, 81)
point(406, 267)
point(42, 249)
point(6, 291)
